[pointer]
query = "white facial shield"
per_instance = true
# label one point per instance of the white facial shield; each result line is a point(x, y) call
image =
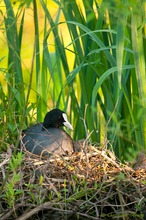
point(66, 123)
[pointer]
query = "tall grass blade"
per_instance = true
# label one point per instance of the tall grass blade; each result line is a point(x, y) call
point(140, 68)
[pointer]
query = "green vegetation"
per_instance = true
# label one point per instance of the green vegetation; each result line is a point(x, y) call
point(105, 86)
point(95, 72)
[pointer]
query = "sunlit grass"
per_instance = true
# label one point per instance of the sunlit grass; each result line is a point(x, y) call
point(80, 58)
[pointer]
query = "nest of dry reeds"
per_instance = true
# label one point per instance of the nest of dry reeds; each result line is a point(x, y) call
point(86, 185)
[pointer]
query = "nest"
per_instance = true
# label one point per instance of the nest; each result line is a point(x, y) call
point(86, 185)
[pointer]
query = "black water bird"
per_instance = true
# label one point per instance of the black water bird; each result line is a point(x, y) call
point(48, 138)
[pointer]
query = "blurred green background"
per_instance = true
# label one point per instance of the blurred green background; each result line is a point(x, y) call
point(84, 57)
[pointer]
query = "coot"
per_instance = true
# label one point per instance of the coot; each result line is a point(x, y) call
point(47, 138)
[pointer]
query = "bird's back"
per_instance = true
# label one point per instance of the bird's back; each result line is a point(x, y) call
point(45, 142)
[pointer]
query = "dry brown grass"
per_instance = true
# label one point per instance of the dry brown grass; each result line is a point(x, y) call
point(87, 185)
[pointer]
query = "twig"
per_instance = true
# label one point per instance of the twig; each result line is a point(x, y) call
point(46, 205)
point(11, 211)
